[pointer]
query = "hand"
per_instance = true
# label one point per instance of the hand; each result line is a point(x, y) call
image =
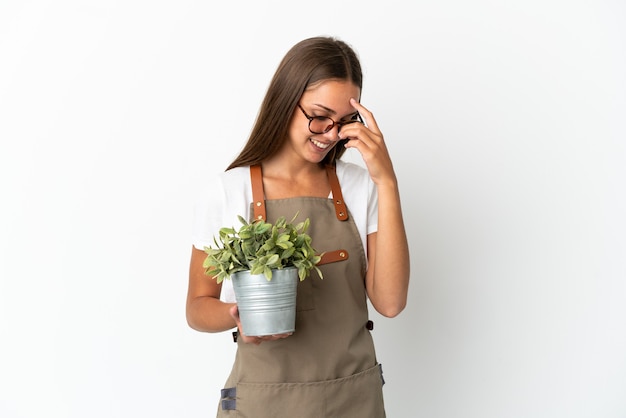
point(234, 312)
point(368, 140)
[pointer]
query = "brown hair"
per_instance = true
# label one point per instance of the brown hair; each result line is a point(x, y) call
point(308, 62)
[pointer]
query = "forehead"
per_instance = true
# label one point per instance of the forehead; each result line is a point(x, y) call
point(332, 91)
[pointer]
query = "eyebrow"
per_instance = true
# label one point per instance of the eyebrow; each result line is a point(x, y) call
point(332, 112)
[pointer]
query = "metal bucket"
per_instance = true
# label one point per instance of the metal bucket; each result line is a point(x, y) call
point(266, 307)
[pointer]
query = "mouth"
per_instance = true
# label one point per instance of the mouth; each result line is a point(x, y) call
point(319, 144)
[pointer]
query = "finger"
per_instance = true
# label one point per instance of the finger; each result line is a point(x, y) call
point(358, 136)
point(234, 313)
point(367, 116)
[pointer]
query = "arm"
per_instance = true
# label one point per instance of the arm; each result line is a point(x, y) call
point(205, 311)
point(387, 278)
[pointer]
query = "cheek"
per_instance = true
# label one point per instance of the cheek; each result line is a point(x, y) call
point(299, 131)
point(297, 128)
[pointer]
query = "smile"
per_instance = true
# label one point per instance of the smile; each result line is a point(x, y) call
point(319, 144)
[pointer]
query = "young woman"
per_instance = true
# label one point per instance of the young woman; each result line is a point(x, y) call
point(327, 367)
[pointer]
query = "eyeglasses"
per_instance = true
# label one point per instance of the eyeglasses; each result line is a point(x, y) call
point(323, 124)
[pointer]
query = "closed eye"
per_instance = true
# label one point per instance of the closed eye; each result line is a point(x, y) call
point(354, 118)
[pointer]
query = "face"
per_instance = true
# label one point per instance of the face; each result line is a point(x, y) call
point(329, 99)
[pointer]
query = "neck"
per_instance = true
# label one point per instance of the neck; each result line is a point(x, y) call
point(284, 181)
point(290, 170)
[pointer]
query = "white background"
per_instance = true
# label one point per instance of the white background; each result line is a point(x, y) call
point(506, 122)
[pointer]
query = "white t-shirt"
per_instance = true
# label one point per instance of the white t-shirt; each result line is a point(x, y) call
point(230, 194)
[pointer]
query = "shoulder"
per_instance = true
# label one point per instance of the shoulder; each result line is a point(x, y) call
point(352, 175)
point(234, 181)
point(224, 195)
point(235, 175)
point(350, 168)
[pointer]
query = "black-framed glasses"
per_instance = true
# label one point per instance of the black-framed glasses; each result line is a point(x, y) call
point(323, 124)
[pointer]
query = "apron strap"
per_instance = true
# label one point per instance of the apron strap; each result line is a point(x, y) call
point(340, 207)
point(258, 197)
point(333, 256)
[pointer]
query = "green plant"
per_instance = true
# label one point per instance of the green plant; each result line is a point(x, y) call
point(260, 247)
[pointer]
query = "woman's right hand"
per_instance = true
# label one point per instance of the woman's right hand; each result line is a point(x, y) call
point(234, 312)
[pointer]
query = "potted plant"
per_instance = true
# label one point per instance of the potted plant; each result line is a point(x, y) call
point(264, 261)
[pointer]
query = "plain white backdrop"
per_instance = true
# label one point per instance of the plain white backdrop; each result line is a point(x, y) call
point(506, 122)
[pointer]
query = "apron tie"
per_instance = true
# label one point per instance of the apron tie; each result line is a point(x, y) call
point(229, 401)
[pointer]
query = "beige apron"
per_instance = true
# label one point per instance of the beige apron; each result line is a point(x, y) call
point(328, 367)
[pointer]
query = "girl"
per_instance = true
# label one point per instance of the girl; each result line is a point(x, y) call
point(327, 367)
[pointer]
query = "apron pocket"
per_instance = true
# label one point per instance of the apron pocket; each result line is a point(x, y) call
point(358, 396)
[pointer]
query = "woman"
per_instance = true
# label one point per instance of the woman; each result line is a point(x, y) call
point(327, 367)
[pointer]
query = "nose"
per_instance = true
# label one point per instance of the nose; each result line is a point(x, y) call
point(333, 133)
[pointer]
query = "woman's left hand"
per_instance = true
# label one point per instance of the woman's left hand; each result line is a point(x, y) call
point(368, 140)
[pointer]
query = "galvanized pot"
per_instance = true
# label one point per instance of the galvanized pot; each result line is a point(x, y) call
point(266, 307)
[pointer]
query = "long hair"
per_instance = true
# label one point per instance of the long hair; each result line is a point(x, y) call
point(308, 62)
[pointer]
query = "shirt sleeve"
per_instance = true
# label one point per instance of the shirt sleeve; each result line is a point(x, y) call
point(207, 215)
point(361, 196)
point(222, 200)
point(219, 203)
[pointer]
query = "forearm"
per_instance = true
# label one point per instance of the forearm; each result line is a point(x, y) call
point(208, 314)
point(388, 281)
point(204, 309)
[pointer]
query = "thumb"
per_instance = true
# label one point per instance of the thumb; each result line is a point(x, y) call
point(234, 312)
